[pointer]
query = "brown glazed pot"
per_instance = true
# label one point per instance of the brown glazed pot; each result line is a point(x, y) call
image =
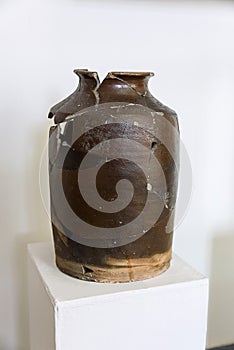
point(113, 166)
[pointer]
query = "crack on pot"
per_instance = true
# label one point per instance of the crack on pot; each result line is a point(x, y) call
point(113, 75)
point(154, 145)
point(87, 270)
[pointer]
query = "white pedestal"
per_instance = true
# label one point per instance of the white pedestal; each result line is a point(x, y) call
point(168, 312)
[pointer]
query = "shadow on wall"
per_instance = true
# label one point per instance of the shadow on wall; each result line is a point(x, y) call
point(36, 218)
point(221, 304)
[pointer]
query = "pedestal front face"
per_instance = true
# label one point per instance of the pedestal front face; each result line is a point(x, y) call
point(167, 312)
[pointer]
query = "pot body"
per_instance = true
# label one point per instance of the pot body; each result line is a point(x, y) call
point(113, 165)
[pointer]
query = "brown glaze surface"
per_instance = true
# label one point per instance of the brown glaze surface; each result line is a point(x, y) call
point(150, 254)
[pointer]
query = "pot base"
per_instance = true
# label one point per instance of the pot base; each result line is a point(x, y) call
point(118, 270)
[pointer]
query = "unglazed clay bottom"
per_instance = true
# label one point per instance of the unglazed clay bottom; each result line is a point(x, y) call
point(119, 270)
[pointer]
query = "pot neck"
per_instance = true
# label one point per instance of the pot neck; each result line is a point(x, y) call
point(138, 81)
point(87, 78)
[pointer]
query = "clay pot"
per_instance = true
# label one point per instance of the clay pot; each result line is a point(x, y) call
point(113, 165)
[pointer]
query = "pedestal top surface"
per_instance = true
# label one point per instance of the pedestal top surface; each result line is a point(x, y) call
point(63, 288)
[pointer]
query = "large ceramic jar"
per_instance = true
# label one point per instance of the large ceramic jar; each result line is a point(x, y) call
point(113, 166)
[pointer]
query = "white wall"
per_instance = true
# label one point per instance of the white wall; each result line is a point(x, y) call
point(190, 47)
